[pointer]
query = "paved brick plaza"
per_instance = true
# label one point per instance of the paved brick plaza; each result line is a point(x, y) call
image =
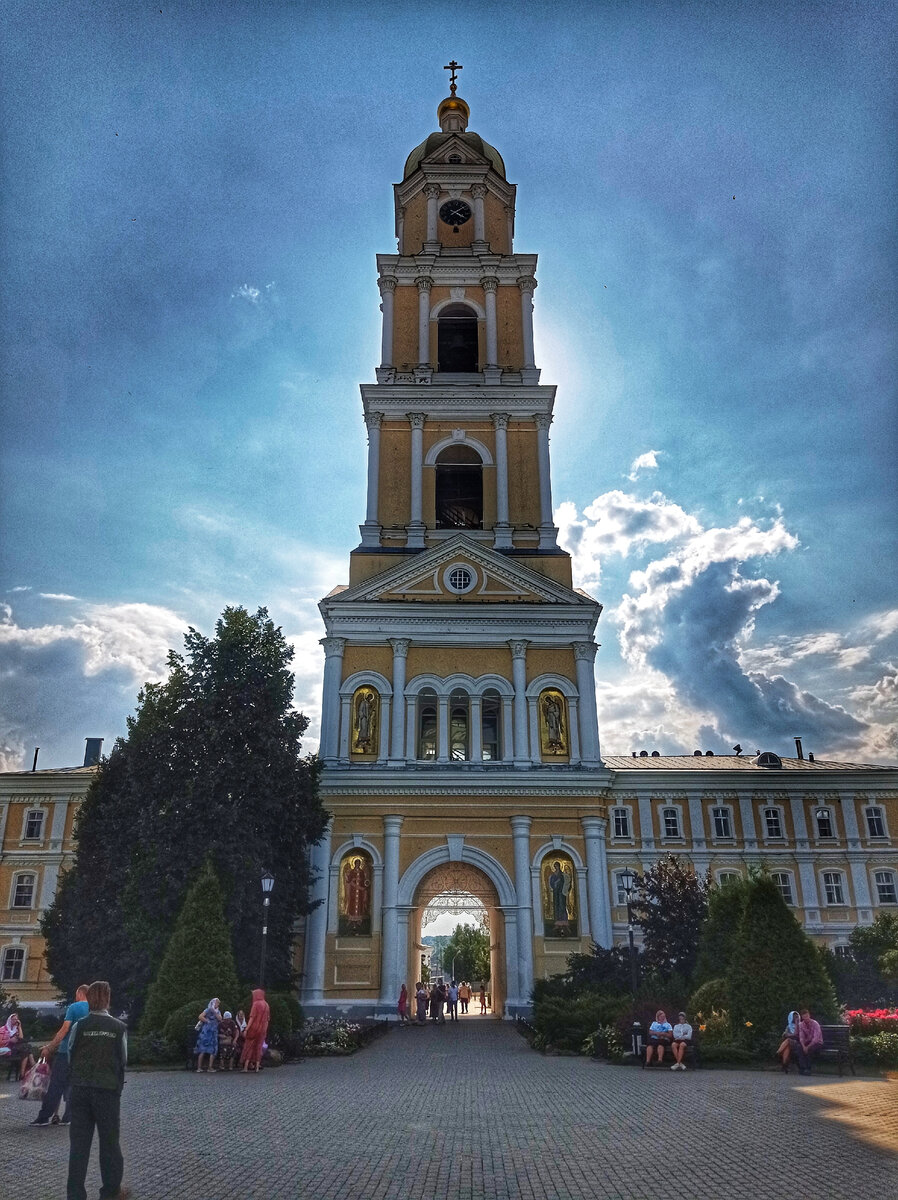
point(470, 1112)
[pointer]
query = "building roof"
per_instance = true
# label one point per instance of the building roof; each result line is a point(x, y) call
point(473, 140)
point(729, 762)
point(91, 770)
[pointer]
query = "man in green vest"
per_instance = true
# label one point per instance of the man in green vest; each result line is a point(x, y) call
point(98, 1052)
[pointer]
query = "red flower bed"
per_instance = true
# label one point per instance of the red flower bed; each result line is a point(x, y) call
point(865, 1022)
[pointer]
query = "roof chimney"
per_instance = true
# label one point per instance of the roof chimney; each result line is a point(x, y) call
point(92, 750)
point(798, 749)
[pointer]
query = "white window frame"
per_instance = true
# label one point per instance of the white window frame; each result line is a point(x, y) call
point(880, 812)
point(827, 838)
point(36, 810)
point(790, 882)
point(727, 810)
point(839, 882)
point(725, 874)
point(15, 887)
point(627, 810)
point(662, 828)
point(4, 951)
point(891, 881)
point(841, 949)
point(781, 817)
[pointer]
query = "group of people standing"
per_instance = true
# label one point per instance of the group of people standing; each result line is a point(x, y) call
point(437, 1001)
point(227, 1039)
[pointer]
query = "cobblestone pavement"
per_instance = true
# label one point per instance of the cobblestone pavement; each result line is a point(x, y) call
point(468, 1111)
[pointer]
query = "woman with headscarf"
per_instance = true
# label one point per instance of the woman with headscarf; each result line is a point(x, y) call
point(421, 1003)
point(788, 1047)
point(256, 1029)
point(403, 1006)
point(207, 1042)
point(227, 1039)
point(15, 1049)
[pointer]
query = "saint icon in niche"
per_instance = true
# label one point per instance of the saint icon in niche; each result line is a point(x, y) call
point(553, 723)
point(559, 908)
point(364, 722)
point(355, 894)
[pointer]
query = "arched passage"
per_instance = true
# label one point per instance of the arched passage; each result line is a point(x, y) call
point(478, 874)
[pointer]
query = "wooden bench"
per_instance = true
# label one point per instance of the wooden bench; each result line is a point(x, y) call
point(693, 1050)
point(837, 1043)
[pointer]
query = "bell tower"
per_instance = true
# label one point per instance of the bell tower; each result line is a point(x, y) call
point(459, 716)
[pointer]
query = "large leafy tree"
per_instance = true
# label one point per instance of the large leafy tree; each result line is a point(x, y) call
point(469, 950)
point(866, 975)
point(211, 767)
point(670, 905)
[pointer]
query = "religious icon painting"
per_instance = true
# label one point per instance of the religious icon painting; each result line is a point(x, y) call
point(553, 725)
point(365, 705)
point(354, 902)
point(559, 896)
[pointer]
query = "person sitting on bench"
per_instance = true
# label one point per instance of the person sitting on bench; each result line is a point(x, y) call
point(810, 1042)
point(682, 1038)
point(660, 1035)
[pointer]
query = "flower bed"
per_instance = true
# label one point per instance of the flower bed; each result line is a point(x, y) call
point(865, 1022)
point(328, 1036)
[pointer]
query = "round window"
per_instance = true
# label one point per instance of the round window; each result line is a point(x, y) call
point(459, 578)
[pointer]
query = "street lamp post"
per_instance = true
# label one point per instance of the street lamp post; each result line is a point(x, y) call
point(628, 883)
point(267, 885)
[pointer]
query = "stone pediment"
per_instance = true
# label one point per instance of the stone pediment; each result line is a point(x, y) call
point(455, 146)
point(463, 570)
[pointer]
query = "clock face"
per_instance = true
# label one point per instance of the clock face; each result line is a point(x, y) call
point(455, 212)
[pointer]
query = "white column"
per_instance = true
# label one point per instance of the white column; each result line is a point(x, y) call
point(503, 528)
point(520, 829)
point(400, 228)
point(697, 823)
point(316, 921)
point(345, 725)
point(573, 722)
point(519, 679)
point(849, 816)
point(49, 880)
point(509, 225)
point(415, 536)
point(547, 531)
point(478, 191)
point(370, 531)
point(432, 192)
point(387, 285)
point(804, 856)
point(861, 884)
point(598, 898)
point(490, 285)
point(749, 832)
point(400, 654)
point(328, 746)
point(585, 654)
point(424, 284)
point(389, 971)
point(527, 284)
point(443, 729)
point(507, 729)
point(476, 730)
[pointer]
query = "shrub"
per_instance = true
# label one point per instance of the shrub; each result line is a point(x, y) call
point(149, 1050)
point(710, 996)
point(726, 1052)
point(774, 967)
point(294, 1007)
point(885, 1049)
point(199, 959)
point(179, 1029)
point(867, 1021)
point(564, 1023)
point(715, 1028)
point(726, 904)
point(606, 1042)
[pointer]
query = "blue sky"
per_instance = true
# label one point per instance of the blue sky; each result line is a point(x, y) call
point(193, 196)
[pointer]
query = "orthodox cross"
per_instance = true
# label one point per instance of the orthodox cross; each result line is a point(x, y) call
point(454, 67)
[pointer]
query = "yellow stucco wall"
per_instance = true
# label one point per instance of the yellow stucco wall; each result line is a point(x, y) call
point(523, 471)
point(467, 660)
point(394, 487)
point(368, 658)
point(495, 224)
point(557, 661)
point(405, 327)
point(508, 322)
point(414, 227)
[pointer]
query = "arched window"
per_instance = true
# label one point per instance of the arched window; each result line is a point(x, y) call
point(457, 339)
point(427, 725)
point(490, 710)
point(459, 489)
point(458, 727)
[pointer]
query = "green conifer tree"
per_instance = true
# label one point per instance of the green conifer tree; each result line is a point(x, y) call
point(726, 904)
point(212, 766)
point(774, 967)
point(199, 959)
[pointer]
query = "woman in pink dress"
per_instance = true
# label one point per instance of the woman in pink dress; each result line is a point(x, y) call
point(256, 1029)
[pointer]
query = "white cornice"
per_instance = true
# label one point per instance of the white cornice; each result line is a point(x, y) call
point(458, 400)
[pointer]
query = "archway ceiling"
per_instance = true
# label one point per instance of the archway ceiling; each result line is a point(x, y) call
point(457, 877)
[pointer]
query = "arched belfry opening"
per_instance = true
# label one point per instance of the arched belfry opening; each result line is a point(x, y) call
point(459, 488)
point(457, 339)
point(459, 889)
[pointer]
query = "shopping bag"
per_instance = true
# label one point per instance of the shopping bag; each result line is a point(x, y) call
point(37, 1080)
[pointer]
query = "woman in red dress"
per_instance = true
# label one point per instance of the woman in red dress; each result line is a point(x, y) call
point(256, 1029)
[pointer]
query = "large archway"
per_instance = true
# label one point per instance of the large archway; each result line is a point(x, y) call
point(475, 875)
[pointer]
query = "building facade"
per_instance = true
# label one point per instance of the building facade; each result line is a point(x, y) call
point(459, 725)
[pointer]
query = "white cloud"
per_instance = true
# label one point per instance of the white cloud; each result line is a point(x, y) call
point(53, 595)
point(685, 626)
point(247, 292)
point(645, 462)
